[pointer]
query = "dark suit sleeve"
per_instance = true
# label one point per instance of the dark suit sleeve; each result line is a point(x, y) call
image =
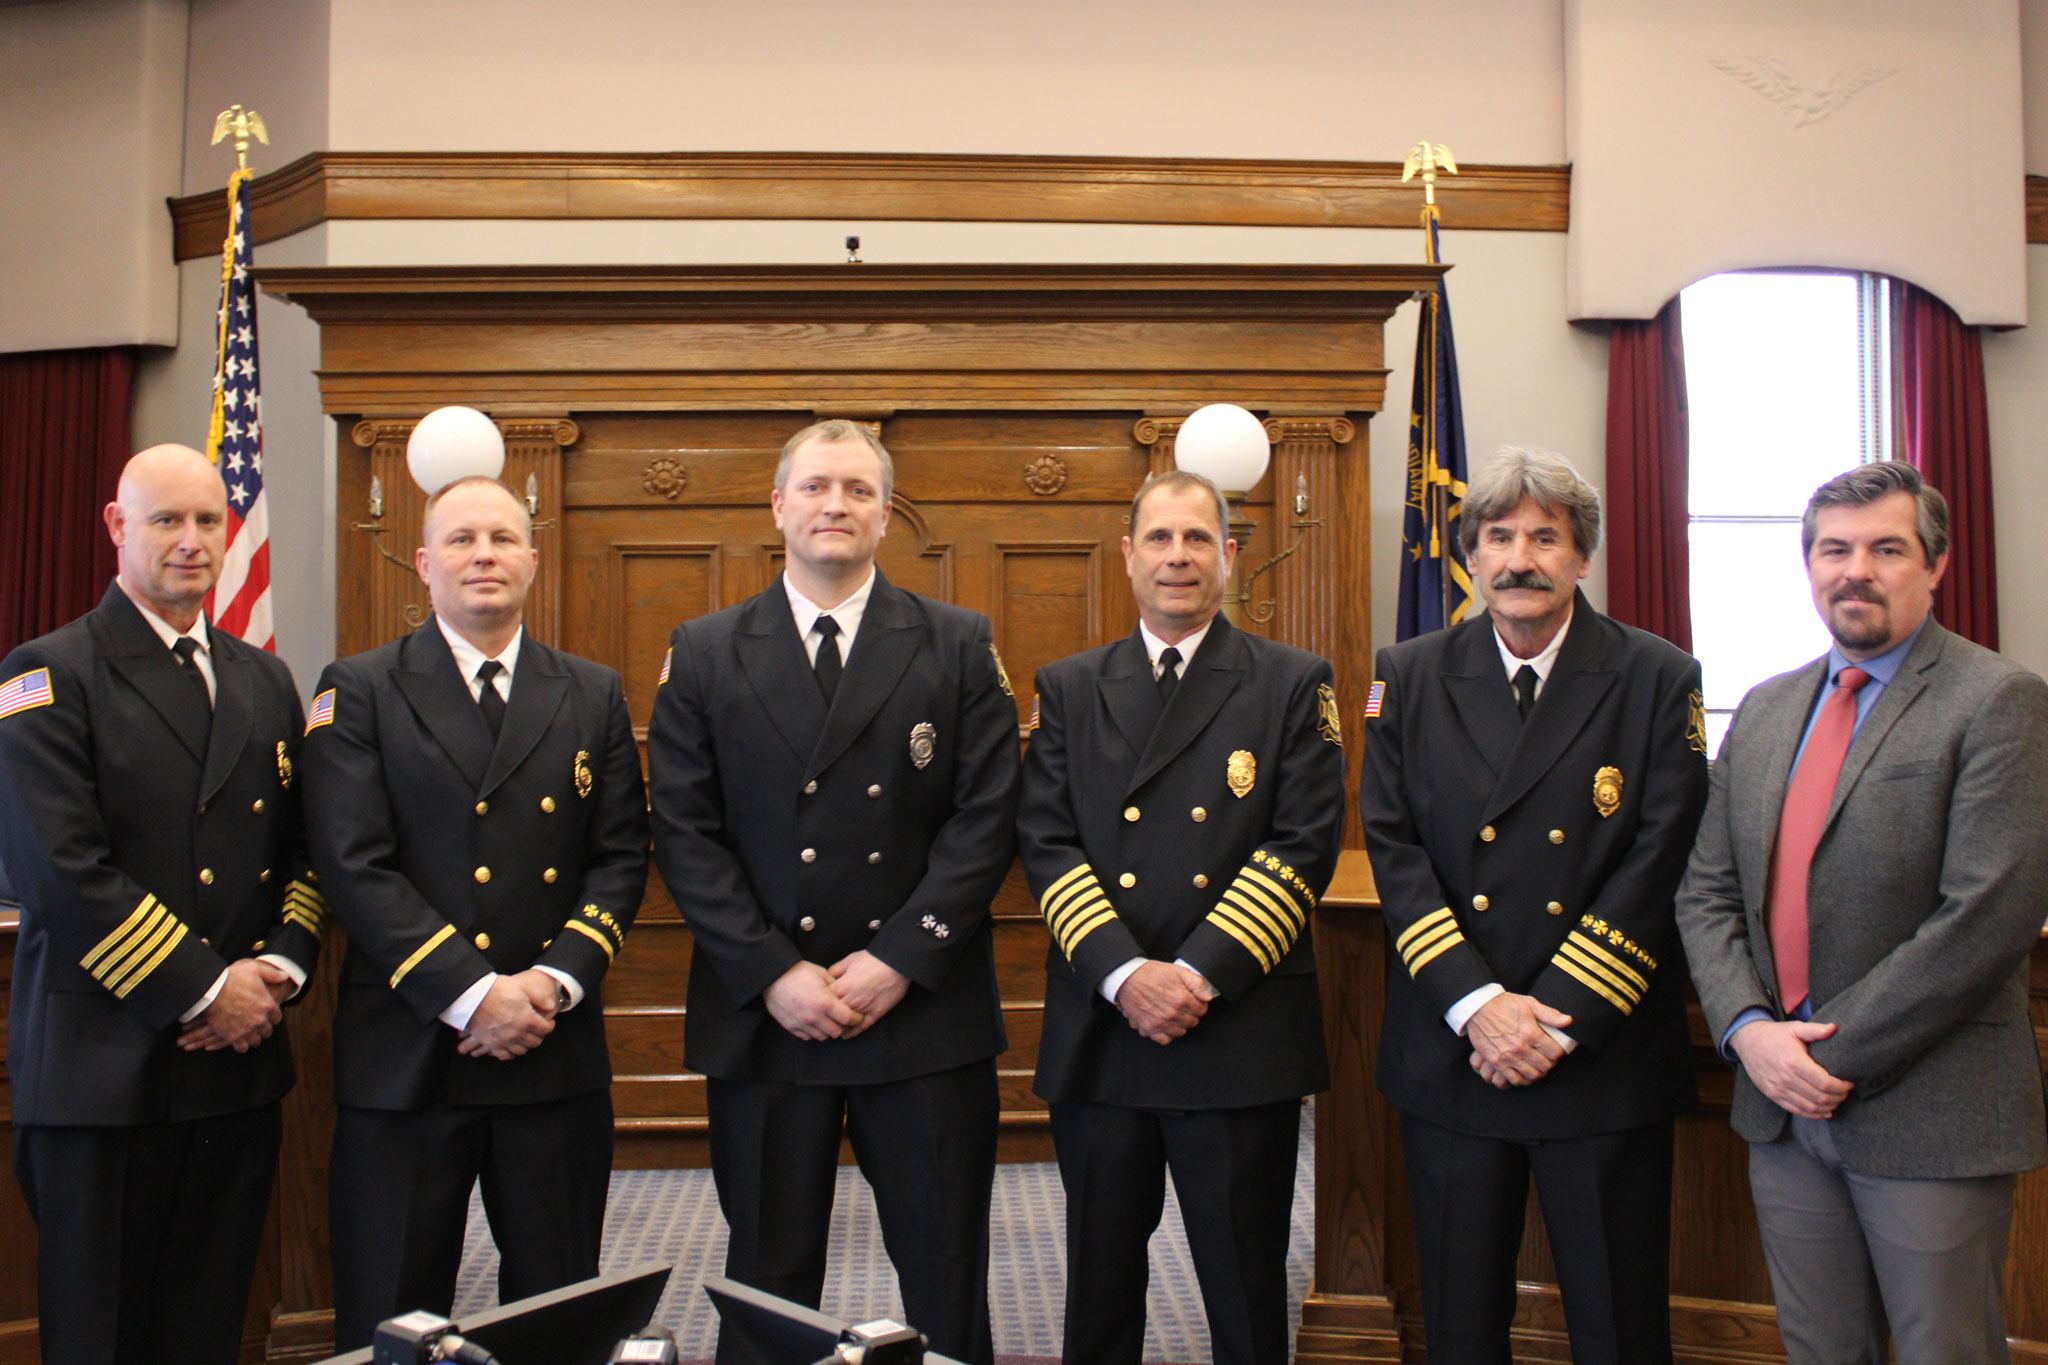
point(972, 851)
point(1713, 920)
point(1076, 907)
point(354, 838)
point(1605, 965)
point(615, 856)
point(703, 873)
point(1994, 883)
point(302, 909)
point(59, 853)
point(1434, 951)
point(1266, 906)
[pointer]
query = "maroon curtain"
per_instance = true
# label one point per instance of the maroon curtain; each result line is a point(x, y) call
point(1944, 432)
point(1649, 560)
point(64, 432)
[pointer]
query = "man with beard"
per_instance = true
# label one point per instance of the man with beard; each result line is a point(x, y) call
point(1869, 881)
point(1533, 780)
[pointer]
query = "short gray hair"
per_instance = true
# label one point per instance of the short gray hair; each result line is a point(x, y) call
point(1512, 476)
point(1183, 478)
point(832, 431)
point(1868, 483)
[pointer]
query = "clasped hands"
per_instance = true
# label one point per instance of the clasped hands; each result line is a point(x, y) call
point(1164, 1000)
point(516, 1013)
point(1775, 1056)
point(247, 1010)
point(841, 1001)
point(1509, 1044)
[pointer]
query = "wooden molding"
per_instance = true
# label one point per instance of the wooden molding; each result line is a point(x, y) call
point(335, 186)
point(2037, 210)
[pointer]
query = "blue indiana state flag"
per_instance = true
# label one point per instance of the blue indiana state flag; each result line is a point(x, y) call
point(1436, 584)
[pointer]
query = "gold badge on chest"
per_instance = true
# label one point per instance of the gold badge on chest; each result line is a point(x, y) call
point(924, 738)
point(284, 767)
point(584, 779)
point(1607, 791)
point(1242, 771)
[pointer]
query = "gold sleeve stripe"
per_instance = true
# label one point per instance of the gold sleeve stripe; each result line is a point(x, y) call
point(1078, 871)
point(1251, 945)
point(145, 912)
point(117, 969)
point(1597, 952)
point(1077, 932)
point(299, 917)
point(1450, 941)
point(420, 954)
point(1278, 931)
point(595, 937)
point(1594, 984)
point(1080, 905)
point(1422, 926)
point(1446, 931)
point(1591, 955)
point(155, 961)
point(1226, 915)
point(1057, 905)
point(1279, 897)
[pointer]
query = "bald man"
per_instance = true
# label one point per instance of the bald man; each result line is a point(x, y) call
point(149, 819)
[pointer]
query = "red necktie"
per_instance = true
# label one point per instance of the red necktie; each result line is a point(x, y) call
point(1799, 830)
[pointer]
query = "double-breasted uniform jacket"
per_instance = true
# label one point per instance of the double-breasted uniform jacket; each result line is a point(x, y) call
point(447, 857)
point(788, 832)
point(1926, 894)
point(1542, 855)
point(1205, 833)
point(147, 857)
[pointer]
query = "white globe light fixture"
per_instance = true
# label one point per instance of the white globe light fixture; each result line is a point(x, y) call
point(1225, 445)
point(454, 443)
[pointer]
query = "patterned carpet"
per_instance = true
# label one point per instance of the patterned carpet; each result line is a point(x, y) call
point(673, 1216)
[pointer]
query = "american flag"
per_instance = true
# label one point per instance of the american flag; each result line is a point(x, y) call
point(322, 712)
point(29, 690)
point(240, 601)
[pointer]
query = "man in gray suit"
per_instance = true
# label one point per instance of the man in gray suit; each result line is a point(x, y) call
point(1869, 878)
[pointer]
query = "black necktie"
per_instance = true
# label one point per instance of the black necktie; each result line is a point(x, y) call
point(1525, 690)
point(1169, 673)
point(200, 714)
point(828, 662)
point(487, 699)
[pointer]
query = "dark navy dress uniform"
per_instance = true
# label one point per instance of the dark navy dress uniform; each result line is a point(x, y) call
point(1202, 831)
point(150, 845)
point(791, 831)
point(446, 857)
point(1543, 855)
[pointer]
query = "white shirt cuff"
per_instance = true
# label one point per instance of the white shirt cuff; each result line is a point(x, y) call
point(569, 984)
point(289, 968)
point(456, 1016)
point(1460, 1014)
point(1562, 1039)
point(212, 994)
point(1114, 982)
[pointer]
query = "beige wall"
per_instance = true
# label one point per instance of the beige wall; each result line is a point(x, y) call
point(1307, 78)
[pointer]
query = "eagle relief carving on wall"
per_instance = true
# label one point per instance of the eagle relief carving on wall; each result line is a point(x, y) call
point(1778, 83)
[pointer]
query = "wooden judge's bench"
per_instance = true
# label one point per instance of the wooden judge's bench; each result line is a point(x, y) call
point(1023, 406)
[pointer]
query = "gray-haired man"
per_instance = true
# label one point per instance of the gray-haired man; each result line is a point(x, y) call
point(1533, 780)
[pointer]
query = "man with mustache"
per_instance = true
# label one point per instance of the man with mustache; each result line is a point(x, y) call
point(1533, 779)
point(149, 820)
point(1869, 881)
point(474, 804)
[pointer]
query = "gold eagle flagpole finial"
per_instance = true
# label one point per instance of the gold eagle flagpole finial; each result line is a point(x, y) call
point(1429, 161)
point(244, 124)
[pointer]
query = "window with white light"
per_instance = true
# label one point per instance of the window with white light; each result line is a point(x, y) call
point(1788, 379)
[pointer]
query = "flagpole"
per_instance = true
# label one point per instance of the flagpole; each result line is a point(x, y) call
point(1430, 160)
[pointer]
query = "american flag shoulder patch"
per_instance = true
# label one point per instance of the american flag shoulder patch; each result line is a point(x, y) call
point(665, 660)
point(322, 712)
point(26, 692)
point(1374, 698)
point(1034, 714)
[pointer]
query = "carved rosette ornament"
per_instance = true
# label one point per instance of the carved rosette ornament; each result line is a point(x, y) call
point(665, 478)
point(1046, 475)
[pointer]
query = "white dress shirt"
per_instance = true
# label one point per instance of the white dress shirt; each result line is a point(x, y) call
point(847, 614)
